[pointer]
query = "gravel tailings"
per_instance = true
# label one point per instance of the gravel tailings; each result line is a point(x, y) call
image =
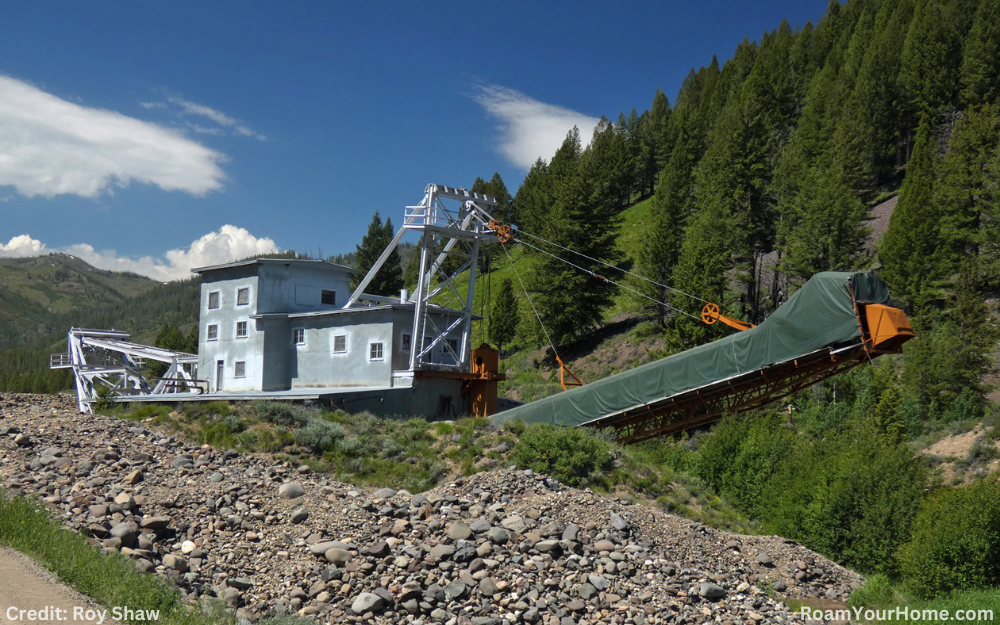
point(503, 546)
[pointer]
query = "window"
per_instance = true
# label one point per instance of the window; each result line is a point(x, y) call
point(242, 297)
point(445, 406)
point(375, 351)
point(406, 342)
point(299, 336)
point(340, 344)
point(241, 329)
point(328, 297)
point(241, 369)
point(213, 332)
point(453, 344)
point(213, 299)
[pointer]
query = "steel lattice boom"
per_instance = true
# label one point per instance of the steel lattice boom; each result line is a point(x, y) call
point(105, 358)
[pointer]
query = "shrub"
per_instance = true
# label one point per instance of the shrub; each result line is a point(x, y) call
point(570, 455)
point(851, 496)
point(740, 457)
point(352, 447)
point(955, 543)
point(318, 435)
point(233, 423)
point(283, 414)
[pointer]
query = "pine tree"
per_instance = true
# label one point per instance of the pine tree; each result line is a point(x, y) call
point(610, 166)
point(702, 269)
point(961, 192)
point(504, 315)
point(504, 211)
point(660, 130)
point(980, 75)
point(876, 92)
point(533, 200)
point(827, 233)
point(569, 301)
point(989, 232)
point(908, 251)
point(931, 57)
point(389, 279)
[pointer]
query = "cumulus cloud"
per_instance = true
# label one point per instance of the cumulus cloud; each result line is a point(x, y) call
point(227, 244)
point(225, 123)
point(50, 147)
point(22, 245)
point(530, 129)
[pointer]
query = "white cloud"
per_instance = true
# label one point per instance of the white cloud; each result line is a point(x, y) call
point(200, 109)
point(531, 129)
point(227, 244)
point(22, 245)
point(50, 147)
point(186, 107)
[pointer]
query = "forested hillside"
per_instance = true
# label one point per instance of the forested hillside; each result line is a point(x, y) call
point(765, 169)
point(96, 299)
point(34, 290)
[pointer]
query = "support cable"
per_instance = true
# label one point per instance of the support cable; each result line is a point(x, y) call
point(625, 271)
point(608, 280)
point(563, 369)
point(530, 303)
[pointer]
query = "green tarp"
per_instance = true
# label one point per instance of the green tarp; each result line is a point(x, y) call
point(818, 315)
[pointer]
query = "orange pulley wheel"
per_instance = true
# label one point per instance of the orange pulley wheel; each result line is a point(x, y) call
point(710, 313)
point(503, 233)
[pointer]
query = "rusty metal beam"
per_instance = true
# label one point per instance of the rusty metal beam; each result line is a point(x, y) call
point(747, 392)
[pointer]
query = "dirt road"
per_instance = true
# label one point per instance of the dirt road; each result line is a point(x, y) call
point(31, 595)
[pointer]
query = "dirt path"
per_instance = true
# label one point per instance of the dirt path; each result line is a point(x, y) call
point(26, 586)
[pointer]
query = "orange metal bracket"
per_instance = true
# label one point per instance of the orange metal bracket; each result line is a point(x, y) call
point(710, 314)
point(503, 231)
point(563, 370)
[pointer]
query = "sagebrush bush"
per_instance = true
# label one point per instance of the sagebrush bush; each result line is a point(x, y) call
point(955, 542)
point(570, 455)
point(318, 435)
point(283, 414)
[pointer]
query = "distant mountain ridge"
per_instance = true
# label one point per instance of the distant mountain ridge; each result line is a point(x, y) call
point(34, 291)
point(42, 297)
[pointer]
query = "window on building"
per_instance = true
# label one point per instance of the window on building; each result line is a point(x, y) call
point(406, 342)
point(445, 406)
point(340, 343)
point(299, 336)
point(241, 329)
point(242, 296)
point(328, 297)
point(213, 299)
point(375, 351)
point(453, 344)
point(213, 332)
point(241, 369)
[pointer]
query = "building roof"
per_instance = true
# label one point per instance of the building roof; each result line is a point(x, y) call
point(301, 262)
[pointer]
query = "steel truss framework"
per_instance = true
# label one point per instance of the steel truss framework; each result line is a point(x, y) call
point(745, 392)
point(105, 358)
point(447, 231)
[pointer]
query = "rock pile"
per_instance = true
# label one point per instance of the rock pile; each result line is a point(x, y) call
point(500, 547)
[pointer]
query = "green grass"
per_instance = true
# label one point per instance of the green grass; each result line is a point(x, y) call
point(879, 593)
point(110, 579)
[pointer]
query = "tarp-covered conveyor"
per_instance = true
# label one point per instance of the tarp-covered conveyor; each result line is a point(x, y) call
point(836, 321)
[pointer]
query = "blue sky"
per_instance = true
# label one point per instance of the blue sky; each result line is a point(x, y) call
point(157, 136)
